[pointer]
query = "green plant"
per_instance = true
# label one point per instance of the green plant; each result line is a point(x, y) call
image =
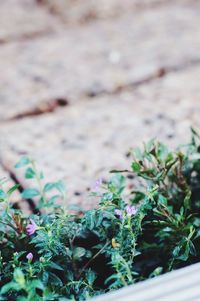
point(57, 255)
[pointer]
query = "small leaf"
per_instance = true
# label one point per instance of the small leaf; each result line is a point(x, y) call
point(30, 173)
point(156, 272)
point(137, 154)
point(150, 146)
point(49, 186)
point(30, 193)
point(37, 284)
point(162, 200)
point(55, 266)
point(60, 187)
point(55, 185)
point(24, 161)
point(12, 189)
point(136, 167)
point(79, 252)
point(53, 200)
point(91, 277)
point(19, 276)
point(195, 133)
point(116, 183)
point(55, 279)
point(10, 286)
point(3, 195)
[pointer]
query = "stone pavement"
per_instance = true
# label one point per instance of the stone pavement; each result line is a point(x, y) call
point(83, 83)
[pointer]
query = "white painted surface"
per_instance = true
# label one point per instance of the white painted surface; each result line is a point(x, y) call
point(180, 285)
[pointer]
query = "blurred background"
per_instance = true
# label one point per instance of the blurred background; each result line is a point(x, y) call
point(84, 81)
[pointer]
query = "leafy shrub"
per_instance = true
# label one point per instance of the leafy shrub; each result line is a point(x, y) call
point(57, 255)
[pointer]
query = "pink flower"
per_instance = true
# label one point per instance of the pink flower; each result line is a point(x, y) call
point(119, 213)
point(98, 184)
point(29, 256)
point(130, 210)
point(31, 228)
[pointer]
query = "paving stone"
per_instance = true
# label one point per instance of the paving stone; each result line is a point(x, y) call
point(79, 11)
point(24, 19)
point(84, 141)
point(104, 56)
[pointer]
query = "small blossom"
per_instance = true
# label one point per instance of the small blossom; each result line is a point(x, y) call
point(29, 256)
point(130, 210)
point(31, 228)
point(98, 184)
point(119, 213)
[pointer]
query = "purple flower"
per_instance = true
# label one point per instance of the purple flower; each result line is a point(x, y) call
point(119, 213)
point(130, 210)
point(98, 184)
point(29, 256)
point(31, 228)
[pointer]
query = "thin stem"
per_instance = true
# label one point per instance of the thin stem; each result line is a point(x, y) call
point(95, 256)
point(38, 179)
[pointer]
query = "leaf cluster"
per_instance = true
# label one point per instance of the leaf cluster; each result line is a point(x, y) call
point(78, 256)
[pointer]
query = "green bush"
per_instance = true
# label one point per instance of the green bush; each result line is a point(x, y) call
point(57, 255)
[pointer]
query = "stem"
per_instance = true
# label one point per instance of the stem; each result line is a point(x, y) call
point(95, 256)
point(82, 282)
point(37, 177)
point(129, 275)
point(73, 262)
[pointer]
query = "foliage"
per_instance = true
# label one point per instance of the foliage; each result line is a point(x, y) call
point(57, 255)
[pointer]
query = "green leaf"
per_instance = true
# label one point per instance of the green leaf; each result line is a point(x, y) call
point(150, 145)
point(55, 266)
point(23, 161)
point(19, 276)
point(156, 272)
point(90, 219)
point(195, 133)
point(30, 193)
point(79, 252)
point(116, 183)
point(10, 286)
point(37, 284)
point(137, 154)
point(12, 189)
point(90, 277)
point(55, 279)
point(3, 195)
point(136, 167)
point(187, 200)
point(30, 173)
point(60, 187)
point(49, 186)
point(55, 185)
point(162, 200)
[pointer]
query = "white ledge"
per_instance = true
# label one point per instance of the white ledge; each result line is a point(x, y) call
point(179, 285)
